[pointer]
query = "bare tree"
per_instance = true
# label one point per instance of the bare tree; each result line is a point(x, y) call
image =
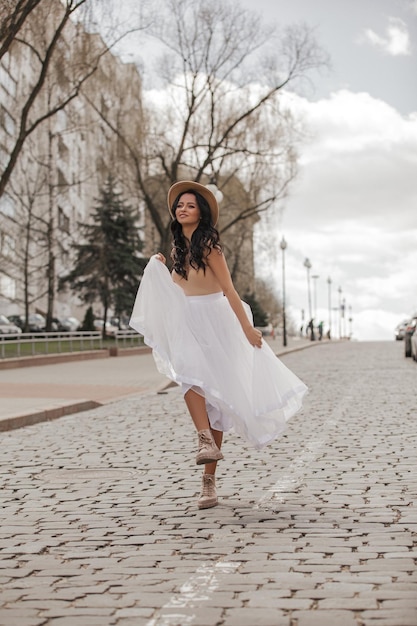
point(219, 115)
point(42, 47)
point(26, 225)
point(69, 68)
point(13, 14)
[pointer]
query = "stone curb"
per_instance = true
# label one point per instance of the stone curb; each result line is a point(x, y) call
point(28, 419)
point(46, 415)
point(67, 357)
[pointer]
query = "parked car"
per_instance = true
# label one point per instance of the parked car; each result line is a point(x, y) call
point(414, 346)
point(37, 322)
point(122, 324)
point(111, 331)
point(400, 330)
point(7, 327)
point(68, 324)
point(17, 320)
point(411, 326)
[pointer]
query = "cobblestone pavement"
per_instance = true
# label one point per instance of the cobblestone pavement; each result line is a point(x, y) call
point(99, 524)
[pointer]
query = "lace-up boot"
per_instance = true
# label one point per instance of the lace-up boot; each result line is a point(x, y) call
point(208, 452)
point(208, 496)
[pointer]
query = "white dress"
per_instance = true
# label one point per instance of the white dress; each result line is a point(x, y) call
point(198, 342)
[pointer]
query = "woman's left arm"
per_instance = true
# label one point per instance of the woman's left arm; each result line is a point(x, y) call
point(217, 263)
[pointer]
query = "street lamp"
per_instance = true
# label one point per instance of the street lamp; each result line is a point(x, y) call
point(283, 246)
point(315, 277)
point(340, 312)
point(329, 283)
point(307, 265)
point(350, 322)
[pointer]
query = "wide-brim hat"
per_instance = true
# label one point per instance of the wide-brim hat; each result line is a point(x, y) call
point(182, 186)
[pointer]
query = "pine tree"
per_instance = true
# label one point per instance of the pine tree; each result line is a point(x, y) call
point(88, 322)
point(108, 267)
point(260, 317)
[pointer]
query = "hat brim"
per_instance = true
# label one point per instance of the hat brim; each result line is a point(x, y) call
point(188, 185)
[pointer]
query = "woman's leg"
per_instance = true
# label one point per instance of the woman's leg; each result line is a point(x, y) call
point(209, 440)
point(196, 406)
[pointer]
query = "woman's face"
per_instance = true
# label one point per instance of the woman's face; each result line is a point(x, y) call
point(187, 212)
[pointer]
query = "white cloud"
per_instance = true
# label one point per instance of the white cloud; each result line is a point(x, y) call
point(359, 163)
point(352, 211)
point(396, 41)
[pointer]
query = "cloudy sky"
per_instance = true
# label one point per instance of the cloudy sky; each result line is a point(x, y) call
point(353, 209)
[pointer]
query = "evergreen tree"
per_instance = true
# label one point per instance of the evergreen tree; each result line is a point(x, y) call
point(88, 322)
point(260, 317)
point(108, 267)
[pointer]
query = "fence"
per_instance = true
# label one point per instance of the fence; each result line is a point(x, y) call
point(32, 344)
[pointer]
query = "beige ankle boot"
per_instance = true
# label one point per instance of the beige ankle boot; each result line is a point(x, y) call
point(208, 496)
point(207, 448)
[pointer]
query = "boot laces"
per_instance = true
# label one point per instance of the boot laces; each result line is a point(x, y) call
point(205, 440)
point(209, 488)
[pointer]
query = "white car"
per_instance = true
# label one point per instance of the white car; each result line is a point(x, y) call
point(400, 330)
point(71, 324)
point(7, 328)
point(111, 331)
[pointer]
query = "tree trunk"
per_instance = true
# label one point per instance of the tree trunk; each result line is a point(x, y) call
point(50, 238)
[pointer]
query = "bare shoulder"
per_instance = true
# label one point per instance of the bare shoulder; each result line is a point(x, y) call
point(214, 253)
point(216, 261)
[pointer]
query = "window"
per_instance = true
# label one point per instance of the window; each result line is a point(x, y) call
point(63, 221)
point(7, 245)
point(7, 205)
point(7, 82)
point(4, 155)
point(7, 121)
point(7, 287)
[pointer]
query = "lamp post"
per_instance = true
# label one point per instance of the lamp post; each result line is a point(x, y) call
point(283, 246)
point(350, 322)
point(307, 265)
point(329, 300)
point(315, 277)
point(340, 312)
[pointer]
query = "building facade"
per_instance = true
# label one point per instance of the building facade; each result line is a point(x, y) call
point(65, 160)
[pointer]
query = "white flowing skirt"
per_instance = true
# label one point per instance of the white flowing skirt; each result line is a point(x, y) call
point(197, 341)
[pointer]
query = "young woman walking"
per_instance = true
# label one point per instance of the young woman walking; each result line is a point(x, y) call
point(203, 338)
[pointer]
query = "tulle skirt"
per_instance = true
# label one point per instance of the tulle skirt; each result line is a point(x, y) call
point(197, 341)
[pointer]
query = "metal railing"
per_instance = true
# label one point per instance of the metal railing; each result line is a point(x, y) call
point(128, 339)
point(55, 342)
point(32, 344)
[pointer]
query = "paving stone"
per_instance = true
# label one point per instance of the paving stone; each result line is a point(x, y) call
point(325, 618)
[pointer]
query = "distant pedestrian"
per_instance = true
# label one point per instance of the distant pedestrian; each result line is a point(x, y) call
point(310, 330)
point(320, 329)
point(203, 338)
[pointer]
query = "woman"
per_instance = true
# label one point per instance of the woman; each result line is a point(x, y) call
point(203, 338)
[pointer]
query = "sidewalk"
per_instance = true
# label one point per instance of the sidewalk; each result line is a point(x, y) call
point(29, 395)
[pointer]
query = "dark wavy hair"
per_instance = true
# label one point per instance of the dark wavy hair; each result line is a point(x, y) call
point(203, 240)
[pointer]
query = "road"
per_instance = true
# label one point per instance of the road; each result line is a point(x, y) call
point(99, 524)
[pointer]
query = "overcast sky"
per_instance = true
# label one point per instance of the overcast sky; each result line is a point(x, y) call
point(353, 209)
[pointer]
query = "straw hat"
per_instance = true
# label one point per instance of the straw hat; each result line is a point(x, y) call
point(188, 185)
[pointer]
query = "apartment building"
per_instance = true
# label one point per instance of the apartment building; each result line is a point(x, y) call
point(65, 160)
